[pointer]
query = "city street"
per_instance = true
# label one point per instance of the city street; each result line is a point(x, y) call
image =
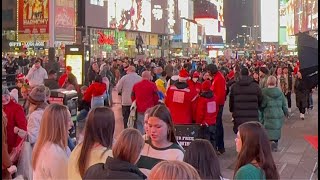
point(296, 157)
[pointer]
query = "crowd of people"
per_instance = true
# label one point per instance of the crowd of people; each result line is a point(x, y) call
point(156, 95)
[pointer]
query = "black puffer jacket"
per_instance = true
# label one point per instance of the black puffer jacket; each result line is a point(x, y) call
point(244, 102)
point(114, 169)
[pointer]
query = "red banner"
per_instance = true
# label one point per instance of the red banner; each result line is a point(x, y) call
point(65, 20)
point(33, 18)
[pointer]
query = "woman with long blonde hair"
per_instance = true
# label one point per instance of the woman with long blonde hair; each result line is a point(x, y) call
point(51, 152)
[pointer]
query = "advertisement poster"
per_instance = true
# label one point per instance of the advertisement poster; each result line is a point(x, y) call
point(65, 20)
point(158, 16)
point(75, 61)
point(130, 15)
point(33, 18)
point(193, 32)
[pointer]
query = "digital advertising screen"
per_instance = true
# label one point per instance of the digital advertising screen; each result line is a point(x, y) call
point(65, 21)
point(269, 20)
point(98, 19)
point(158, 18)
point(193, 32)
point(300, 16)
point(282, 36)
point(283, 13)
point(130, 15)
point(290, 17)
point(314, 15)
point(185, 28)
point(76, 62)
point(211, 25)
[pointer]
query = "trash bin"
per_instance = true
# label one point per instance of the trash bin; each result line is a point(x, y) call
point(68, 98)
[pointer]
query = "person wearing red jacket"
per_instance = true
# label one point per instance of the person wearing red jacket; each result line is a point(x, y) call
point(96, 90)
point(206, 113)
point(181, 100)
point(193, 83)
point(68, 77)
point(219, 89)
point(146, 96)
point(15, 116)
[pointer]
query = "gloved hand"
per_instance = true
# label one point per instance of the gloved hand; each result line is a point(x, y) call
point(12, 169)
point(22, 133)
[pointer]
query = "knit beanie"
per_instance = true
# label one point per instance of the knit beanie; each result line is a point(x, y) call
point(264, 70)
point(37, 95)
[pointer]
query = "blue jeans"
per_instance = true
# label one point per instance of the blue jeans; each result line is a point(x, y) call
point(219, 130)
point(82, 115)
point(98, 101)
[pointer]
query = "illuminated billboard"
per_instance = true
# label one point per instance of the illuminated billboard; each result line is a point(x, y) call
point(98, 19)
point(290, 17)
point(189, 31)
point(211, 26)
point(269, 20)
point(33, 18)
point(158, 18)
point(65, 21)
point(130, 15)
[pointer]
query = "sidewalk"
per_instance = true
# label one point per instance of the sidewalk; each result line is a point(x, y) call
point(296, 157)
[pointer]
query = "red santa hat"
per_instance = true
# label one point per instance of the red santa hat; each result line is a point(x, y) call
point(196, 74)
point(183, 75)
point(205, 86)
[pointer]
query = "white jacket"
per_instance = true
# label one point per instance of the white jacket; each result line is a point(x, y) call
point(52, 163)
point(34, 122)
point(36, 76)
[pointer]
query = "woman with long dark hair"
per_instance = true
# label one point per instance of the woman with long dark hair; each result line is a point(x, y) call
point(255, 159)
point(162, 144)
point(97, 142)
point(202, 156)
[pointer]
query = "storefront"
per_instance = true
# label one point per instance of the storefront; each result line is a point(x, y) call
point(105, 43)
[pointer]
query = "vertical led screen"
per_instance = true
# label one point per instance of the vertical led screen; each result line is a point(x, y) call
point(158, 16)
point(290, 17)
point(300, 16)
point(98, 19)
point(65, 20)
point(33, 18)
point(130, 15)
point(193, 32)
point(269, 20)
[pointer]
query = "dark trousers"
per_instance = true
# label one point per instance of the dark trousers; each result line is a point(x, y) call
point(288, 96)
point(302, 110)
point(219, 131)
point(208, 133)
point(125, 115)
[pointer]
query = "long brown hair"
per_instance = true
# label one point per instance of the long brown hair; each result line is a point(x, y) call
point(53, 129)
point(256, 146)
point(99, 129)
point(163, 113)
point(201, 155)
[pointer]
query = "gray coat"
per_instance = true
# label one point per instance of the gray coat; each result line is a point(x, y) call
point(124, 87)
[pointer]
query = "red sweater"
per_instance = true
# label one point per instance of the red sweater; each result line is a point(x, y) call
point(219, 88)
point(95, 89)
point(206, 110)
point(145, 95)
point(16, 117)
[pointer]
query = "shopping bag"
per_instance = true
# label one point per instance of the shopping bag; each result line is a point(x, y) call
point(24, 167)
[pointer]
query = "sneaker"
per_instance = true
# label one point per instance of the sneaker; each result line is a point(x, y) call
point(289, 110)
point(302, 116)
point(232, 119)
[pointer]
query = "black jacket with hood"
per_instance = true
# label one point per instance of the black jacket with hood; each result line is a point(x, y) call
point(245, 100)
